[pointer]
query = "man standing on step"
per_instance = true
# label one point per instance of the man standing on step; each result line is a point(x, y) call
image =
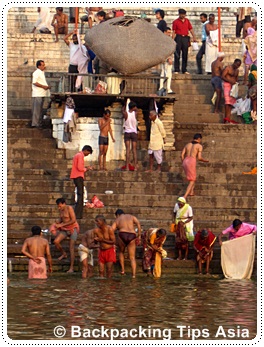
point(190, 154)
point(230, 78)
point(66, 226)
point(127, 238)
point(40, 90)
point(35, 248)
point(181, 28)
point(129, 112)
point(157, 141)
point(201, 52)
point(77, 174)
point(216, 81)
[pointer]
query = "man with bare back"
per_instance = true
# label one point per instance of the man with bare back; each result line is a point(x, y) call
point(66, 226)
point(127, 237)
point(85, 251)
point(230, 77)
point(60, 23)
point(190, 153)
point(216, 81)
point(105, 236)
point(35, 248)
point(105, 128)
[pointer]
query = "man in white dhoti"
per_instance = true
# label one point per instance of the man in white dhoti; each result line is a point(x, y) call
point(211, 46)
point(166, 69)
point(85, 251)
point(43, 24)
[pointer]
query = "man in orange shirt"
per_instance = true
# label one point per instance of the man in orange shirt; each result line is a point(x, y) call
point(77, 174)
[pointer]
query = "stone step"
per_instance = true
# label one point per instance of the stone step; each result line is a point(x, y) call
point(67, 187)
point(31, 143)
point(35, 153)
point(134, 200)
point(29, 133)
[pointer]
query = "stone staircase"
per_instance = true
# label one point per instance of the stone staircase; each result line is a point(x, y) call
point(38, 174)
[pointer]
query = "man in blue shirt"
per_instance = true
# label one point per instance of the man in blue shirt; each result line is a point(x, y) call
point(199, 56)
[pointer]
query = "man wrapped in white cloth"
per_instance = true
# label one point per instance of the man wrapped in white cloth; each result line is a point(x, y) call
point(85, 251)
point(43, 23)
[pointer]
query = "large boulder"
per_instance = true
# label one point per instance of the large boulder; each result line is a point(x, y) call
point(129, 44)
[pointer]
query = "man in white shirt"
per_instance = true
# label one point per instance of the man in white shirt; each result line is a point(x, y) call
point(157, 141)
point(40, 90)
point(78, 58)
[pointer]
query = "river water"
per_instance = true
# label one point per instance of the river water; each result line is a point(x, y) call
point(172, 307)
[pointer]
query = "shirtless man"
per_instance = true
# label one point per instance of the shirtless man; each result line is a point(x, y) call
point(35, 248)
point(230, 77)
point(66, 226)
point(104, 234)
point(105, 128)
point(85, 251)
point(217, 68)
point(60, 23)
point(127, 237)
point(190, 153)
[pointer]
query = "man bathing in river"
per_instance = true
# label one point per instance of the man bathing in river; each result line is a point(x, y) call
point(35, 248)
point(127, 238)
point(104, 234)
point(64, 227)
point(85, 251)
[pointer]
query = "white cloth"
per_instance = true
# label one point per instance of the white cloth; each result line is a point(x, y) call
point(211, 49)
point(38, 76)
point(82, 61)
point(237, 257)
point(130, 124)
point(113, 83)
point(68, 114)
point(157, 135)
point(84, 253)
point(157, 155)
point(44, 20)
point(166, 71)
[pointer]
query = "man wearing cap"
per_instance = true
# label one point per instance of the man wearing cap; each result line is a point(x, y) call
point(203, 244)
point(183, 216)
point(217, 68)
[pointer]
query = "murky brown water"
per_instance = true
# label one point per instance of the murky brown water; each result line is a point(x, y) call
point(181, 308)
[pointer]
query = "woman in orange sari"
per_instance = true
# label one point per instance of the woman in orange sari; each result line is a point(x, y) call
point(153, 240)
